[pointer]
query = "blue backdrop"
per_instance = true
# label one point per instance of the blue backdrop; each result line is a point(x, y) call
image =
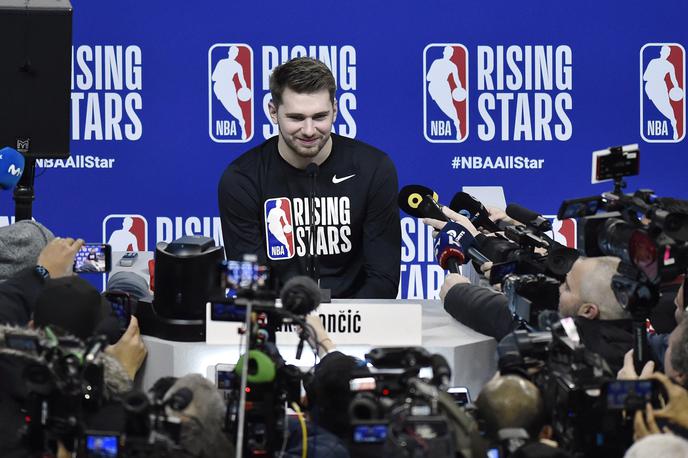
point(542, 85)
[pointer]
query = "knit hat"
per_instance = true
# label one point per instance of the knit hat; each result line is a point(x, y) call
point(20, 245)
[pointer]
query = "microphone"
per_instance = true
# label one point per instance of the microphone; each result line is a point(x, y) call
point(454, 245)
point(441, 372)
point(300, 295)
point(465, 203)
point(528, 217)
point(421, 202)
point(313, 267)
point(11, 167)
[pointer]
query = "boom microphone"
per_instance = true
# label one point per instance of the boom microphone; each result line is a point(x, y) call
point(300, 295)
point(421, 202)
point(528, 217)
point(479, 215)
point(11, 167)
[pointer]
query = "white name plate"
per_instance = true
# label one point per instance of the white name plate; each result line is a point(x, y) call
point(375, 325)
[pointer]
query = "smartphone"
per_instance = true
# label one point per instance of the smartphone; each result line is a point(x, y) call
point(238, 275)
point(632, 395)
point(93, 258)
point(121, 306)
point(460, 394)
point(102, 444)
point(225, 378)
point(500, 270)
point(369, 433)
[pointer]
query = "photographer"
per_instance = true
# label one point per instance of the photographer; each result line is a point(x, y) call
point(512, 413)
point(586, 294)
point(18, 293)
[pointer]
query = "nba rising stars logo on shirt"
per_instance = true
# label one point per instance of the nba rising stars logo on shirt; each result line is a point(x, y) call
point(662, 92)
point(445, 93)
point(230, 93)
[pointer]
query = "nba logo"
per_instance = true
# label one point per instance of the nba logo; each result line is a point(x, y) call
point(126, 232)
point(278, 228)
point(230, 93)
point(662, 92)
point(445, 93)
point(564, 231)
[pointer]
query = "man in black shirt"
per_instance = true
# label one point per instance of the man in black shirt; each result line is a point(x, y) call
point(312, 202)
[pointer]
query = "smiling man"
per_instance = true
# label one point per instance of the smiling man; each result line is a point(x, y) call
point(310, 202)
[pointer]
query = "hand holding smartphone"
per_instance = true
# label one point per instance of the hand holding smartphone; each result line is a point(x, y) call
point(93, 258)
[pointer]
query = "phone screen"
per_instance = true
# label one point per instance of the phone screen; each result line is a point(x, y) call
point(227, 311)
point(369, 434)
point(244, 275)
point(225, 379)
point(631, 394)
point(120, 304)
point(93, 257)
point(104, 445)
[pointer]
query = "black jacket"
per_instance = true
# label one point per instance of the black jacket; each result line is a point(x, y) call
point(265, 209)
point(18, 296)
point(487, 312)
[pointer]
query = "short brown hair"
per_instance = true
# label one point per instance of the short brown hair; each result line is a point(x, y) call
point(304, 75)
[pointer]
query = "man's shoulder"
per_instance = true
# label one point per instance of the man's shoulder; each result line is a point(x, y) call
point(251, 162)
point(359, 149)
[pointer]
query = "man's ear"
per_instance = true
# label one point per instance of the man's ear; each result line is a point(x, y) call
point(30, 325)
point(546, 432)
point(589, 311)
point(334, 110)
point(272, 109)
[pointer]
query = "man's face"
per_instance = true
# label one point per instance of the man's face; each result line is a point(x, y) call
point(305, 123)
point(669, 370)
point(569, 291)
point(680, 306)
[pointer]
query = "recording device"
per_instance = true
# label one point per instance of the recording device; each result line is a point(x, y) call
point(11, 167)
point(450, 244)
point(93, 258)
point(528, 217)
point(615, 162)
point(582, 396)
point(417, 413)
point(122, 307)
point(500, 270)
point(101, 444)
point(460, 394)
point(530, 295)
point(128, 259)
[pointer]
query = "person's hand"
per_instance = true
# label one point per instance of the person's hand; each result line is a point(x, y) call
point(627, 372)
point(129, 350)
point(645, 425)
point(449, 281)
point(452, 215)
point(323, 340)
point(676, 410)
point(58, 256)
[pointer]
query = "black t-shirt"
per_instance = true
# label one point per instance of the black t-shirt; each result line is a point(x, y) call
point(265, 208)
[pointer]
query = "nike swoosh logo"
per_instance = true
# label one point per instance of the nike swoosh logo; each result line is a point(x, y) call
point(336, 180)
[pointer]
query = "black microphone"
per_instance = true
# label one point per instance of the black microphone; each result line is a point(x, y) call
point(528, 217)
point(300, 295)
point(421, 202)
point(441, 372)
point(479, 215)
point(313, 265)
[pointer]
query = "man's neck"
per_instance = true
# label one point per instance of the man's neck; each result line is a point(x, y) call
point(301, 162)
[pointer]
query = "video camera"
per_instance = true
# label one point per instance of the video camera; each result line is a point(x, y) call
point(590, 411)
point(404, 414)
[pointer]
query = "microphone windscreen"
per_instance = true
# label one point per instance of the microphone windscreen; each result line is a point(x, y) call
point(300, 295)
point(452, 242)
point(521, 214)
point(466, 202)
point(11, 167)
point(420, 201)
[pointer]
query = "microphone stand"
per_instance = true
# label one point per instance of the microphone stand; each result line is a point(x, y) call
point(244, 382)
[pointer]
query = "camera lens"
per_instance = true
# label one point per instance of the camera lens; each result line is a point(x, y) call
point(614, 238)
